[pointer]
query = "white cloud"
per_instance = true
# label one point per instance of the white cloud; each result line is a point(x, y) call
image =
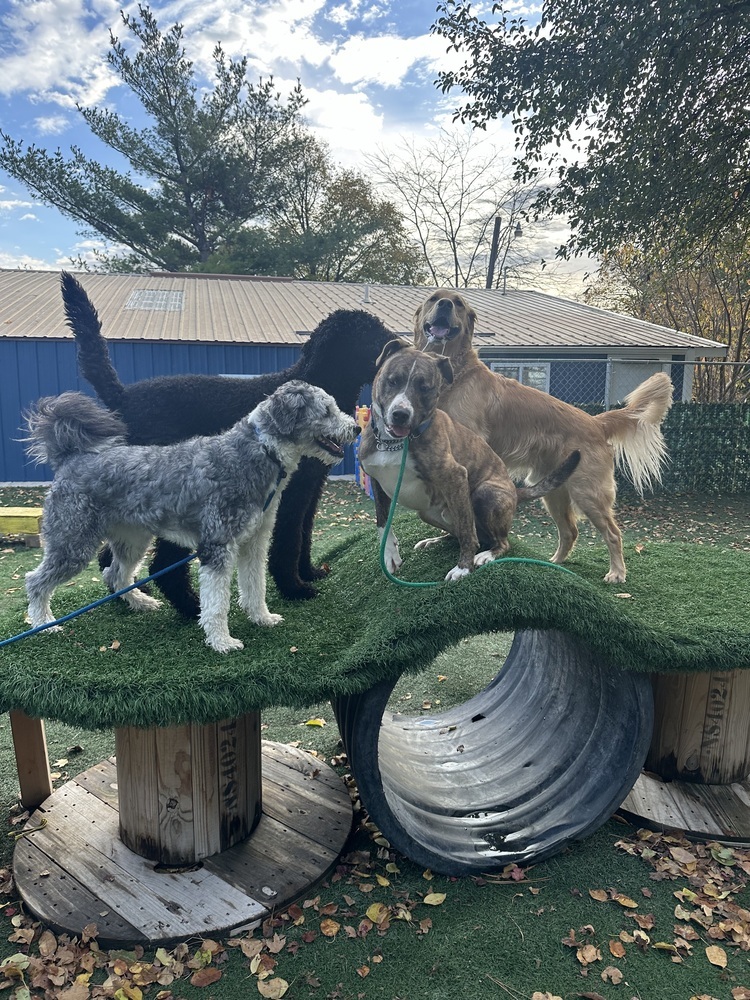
point(12, 204)
point(347, 122)
point(53, 51)
point(51, 124)
point(29, 217)
point(344, 13)
point(383, 59)
point(11, 260)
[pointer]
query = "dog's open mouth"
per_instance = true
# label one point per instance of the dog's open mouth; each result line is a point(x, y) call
point(331, 446)
point(436, 332)
point(398, 430)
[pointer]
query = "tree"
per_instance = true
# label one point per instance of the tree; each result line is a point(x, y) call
point(198, 173)
point(637, 112)
point(326, 223)
point(708, 298)
point(458, 197)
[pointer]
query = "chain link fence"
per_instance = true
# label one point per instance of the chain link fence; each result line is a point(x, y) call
point(707, 430)
point(605, 382)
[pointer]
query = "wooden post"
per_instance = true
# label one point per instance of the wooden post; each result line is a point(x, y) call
point(30, 745)
point(701, 727)
point(187, 792)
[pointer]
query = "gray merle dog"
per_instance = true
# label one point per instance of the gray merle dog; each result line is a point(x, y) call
point(216, 494)
point(339, 356)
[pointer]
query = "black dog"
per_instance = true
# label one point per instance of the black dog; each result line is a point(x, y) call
point(339, 357)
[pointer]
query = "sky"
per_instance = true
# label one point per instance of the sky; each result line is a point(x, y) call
point(367, 68)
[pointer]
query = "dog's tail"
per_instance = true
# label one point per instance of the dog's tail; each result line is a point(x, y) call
point(71, 424)
point(635, 430)
point(93, 354)
point(555, 479)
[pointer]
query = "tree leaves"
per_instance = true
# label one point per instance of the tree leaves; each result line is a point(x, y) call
point(208, 164)
point(640, 112)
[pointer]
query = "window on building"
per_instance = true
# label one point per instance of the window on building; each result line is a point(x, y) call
point(534, 373)
point(157, 299)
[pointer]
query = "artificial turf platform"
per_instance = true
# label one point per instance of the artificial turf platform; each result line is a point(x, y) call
point(684, 607)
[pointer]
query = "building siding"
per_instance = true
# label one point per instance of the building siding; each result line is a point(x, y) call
point(30, 369)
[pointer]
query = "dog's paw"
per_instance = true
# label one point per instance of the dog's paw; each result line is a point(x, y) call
point(227, 644)
point(482, 558)
point(614, 577)
point(315, 572)
point(267, 619)
point(139, 601)
point(49, 628)
point(426, 542)
point(457, 573)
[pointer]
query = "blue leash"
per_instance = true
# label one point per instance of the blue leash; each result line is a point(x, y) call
point(96, 604)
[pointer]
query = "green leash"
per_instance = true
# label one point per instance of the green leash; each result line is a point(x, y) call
point(409, 583)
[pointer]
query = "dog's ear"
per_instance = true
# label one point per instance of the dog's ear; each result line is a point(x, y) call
point(397, 344)
point(445, 368)
point(418, 328)
point(285, 409)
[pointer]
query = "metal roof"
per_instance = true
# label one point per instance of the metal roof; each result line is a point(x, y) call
point(212, 308)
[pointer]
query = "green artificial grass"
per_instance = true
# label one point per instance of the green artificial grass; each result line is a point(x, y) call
point(684, 607)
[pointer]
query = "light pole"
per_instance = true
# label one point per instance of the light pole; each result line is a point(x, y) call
point(494, 248)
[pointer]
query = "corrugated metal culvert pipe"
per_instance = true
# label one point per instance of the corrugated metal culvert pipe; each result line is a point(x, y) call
point(541, 757)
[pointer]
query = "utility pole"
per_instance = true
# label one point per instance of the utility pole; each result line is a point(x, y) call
point(493, 252)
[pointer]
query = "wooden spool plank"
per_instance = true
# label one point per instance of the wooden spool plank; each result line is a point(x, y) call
point(81, 837)
point(174, 781)
point(692, 725)
point(138, 791)
point(273, 864)
point(101, 781)
point(66, 900)
point(717, 812)
point(204, 837)
point(701, 727)
point(92, 877)
point(727, 731)
point(240, 783)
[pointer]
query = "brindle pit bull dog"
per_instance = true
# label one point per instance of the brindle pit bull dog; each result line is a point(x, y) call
point(452, 478)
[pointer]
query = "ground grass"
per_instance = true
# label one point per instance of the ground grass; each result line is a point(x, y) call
point(534, 930)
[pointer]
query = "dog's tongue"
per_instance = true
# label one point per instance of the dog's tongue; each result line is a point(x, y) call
point(399, 432)
point(438, 332)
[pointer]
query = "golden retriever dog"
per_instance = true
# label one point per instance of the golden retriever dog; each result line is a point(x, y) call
point(533, 432)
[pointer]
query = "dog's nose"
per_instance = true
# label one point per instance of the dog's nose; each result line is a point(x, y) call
point(399, 415)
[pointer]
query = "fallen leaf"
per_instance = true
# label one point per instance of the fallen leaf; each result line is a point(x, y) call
point(617, 949)
point(329, 927)
point(363, 970)
point(273, 989)
point(315, 722)
point(588, 953)
point(716, 956)
point(599, 894)
point(206, 977)
point(625, 900)
point(612, 975)
point(377, 912)
point(47, 944)
point(434, 898)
